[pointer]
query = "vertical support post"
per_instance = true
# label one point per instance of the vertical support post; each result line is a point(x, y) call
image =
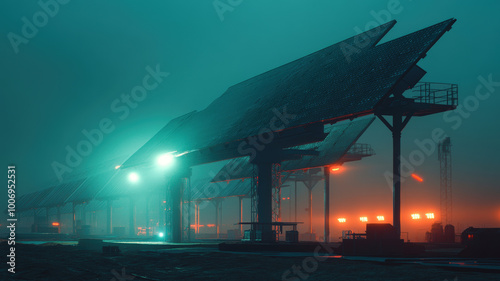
point(74, 219)
point(109, 217)
point(188, 182)
point(47, 221)
point(195, 217)
point(162, 214)
point(295, 199)
point(217, 218)
point(220, 216)
point(309, 189)
point(326, 171)
point(397, 126)
point(265, 200)
point(176, 186)
point(240, 217)
point(35, 226)
point(132, 217)
point(147, 216)
point(83, 216)
point(59, 214)
point(197, 207)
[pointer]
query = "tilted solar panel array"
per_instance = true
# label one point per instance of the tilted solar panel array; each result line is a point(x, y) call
point(33, 200)
point(331, 151)
point(30, 200)
point(60, 193)
point(247, 107)
point(91, 187)
point(323, 86)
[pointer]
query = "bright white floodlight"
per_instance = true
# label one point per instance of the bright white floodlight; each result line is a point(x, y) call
point(133, 177)
point(165, 160)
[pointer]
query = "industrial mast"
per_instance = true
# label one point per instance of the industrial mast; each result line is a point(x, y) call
point(444, 156)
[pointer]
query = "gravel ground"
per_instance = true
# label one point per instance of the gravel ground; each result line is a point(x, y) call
point(63, 262)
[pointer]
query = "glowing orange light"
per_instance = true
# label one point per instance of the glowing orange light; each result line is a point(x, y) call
point(164, 201)
point(335, 169)
point(380, 218)
point(341, 220)
point(430, 215)
point(288, 198)
point(363, 219)
point(55, 224)
point(417, 177)
point(117, 167)
point(210, 225)
point(415, 216)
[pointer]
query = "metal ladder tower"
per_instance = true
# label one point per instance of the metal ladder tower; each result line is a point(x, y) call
point(444, 156)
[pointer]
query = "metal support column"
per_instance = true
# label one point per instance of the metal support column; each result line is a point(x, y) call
point(59, 214)
point(198, 217)
point(147, 216)
point(176, 185)
point(35, 222)
point(309, 190)
point(240, 217)
point(132, 232)
point(396, 171)
point(295, 199)
point(195, 217)
point(326, 171)
point(47, 221)
point(265, 200)
point(188, 182)
point(109, 217)
point(398, 124)
point(220, 216)
point(217, 218)
point(162, 214)
point(74, 218)
point(83, 216)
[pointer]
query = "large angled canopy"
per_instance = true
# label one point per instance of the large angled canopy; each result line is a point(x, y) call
point(342, 81)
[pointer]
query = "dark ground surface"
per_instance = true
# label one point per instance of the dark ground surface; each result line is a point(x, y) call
point(62, 262)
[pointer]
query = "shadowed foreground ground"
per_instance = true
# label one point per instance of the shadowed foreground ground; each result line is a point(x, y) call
point(58, 262)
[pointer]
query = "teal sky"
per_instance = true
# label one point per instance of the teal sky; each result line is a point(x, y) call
point(65, 78)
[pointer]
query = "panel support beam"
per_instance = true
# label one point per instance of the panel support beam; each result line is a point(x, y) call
point(265, 201)
point(398, 124)
point(109, 217)
point(240, 215)
point(175, 192)
point(132, 232)
point(74, 218)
